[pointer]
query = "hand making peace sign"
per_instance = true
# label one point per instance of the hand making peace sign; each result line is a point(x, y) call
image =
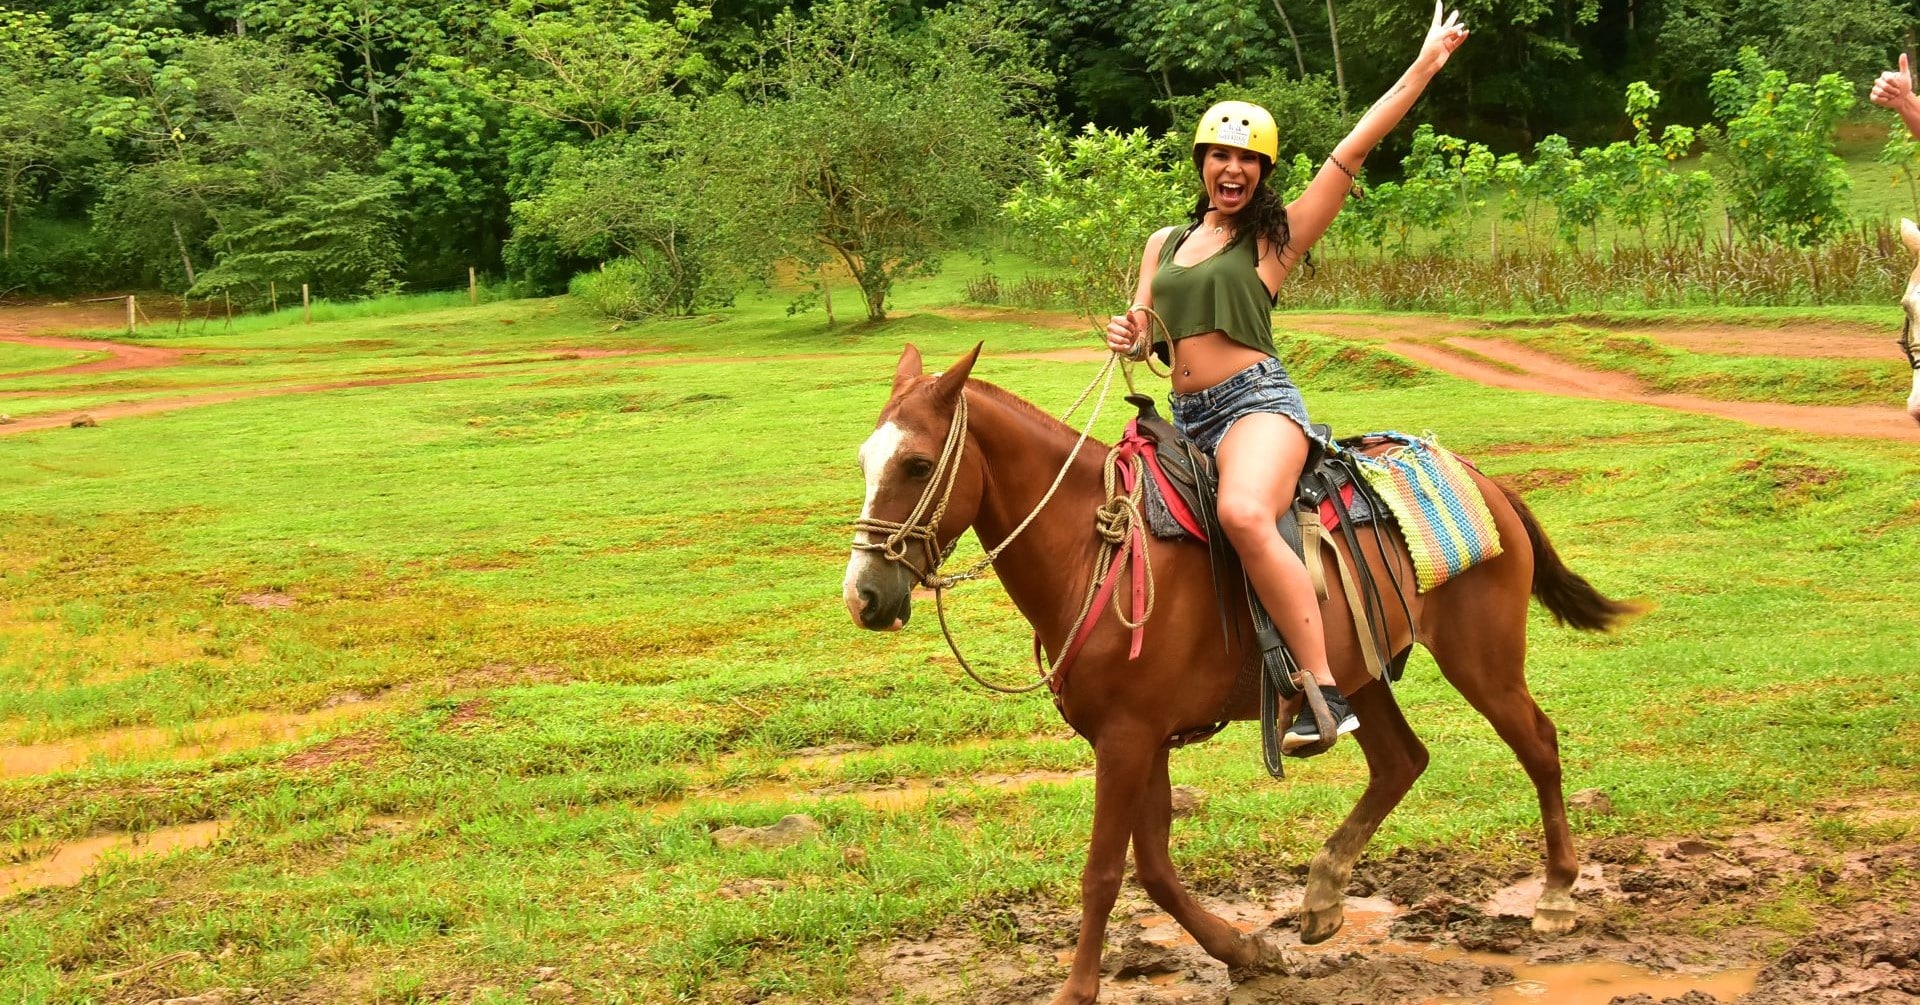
point(1443, 36)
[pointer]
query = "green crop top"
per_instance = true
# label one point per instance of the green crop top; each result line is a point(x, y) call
point(1224, 293)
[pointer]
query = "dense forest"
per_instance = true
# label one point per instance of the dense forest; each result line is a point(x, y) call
point(365, 146)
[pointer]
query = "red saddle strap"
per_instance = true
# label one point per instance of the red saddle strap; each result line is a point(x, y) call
point(1134, 551)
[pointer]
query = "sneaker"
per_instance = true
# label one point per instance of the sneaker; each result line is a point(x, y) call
point(1305, 733)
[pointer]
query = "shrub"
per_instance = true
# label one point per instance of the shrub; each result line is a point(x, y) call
point(1774, 158)
point(1091, 205)
point(59, 258)
point(628, 289)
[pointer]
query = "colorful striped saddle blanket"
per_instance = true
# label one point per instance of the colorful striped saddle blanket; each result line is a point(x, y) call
point(1441, 514)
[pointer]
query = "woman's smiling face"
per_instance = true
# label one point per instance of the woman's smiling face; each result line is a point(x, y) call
point(1229, 174)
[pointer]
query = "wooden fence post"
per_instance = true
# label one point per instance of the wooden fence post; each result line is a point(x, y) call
point(306, 306)
point(227, 296)
point(273, 298)
point(131, 329)
point(473, 288)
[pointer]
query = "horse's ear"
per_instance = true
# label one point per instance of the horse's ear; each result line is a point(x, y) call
point(950, 383)
point(1910, 235)
point(909, 368)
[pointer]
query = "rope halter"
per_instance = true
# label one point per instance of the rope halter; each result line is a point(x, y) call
point(898, 538)
point(1907, 344)
point(895, 539)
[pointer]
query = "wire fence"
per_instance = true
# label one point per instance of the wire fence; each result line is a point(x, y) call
point(153, 313)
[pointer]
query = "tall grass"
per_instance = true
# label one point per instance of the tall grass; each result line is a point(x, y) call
point(1868, 266)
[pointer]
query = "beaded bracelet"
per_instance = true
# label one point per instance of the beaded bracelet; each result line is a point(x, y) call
point(1353, 183)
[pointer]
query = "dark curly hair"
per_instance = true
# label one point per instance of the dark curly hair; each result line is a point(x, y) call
point(1265, 215)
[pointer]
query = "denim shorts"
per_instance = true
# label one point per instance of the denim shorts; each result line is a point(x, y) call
point(1205, 415)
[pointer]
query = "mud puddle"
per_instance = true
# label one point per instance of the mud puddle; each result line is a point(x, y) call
point(1678, 921)
point(193, 741)
point(70, 862)
point(1159, 962)
point(1598, 984)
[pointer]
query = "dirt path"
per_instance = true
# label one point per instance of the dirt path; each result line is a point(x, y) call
point(1537, 371)
point(24, 325)
point(1470, 351)
point(1465, 349)
point(126, 409)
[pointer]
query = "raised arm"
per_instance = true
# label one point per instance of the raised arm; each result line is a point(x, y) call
point(1312, 213)
point(1894, 90)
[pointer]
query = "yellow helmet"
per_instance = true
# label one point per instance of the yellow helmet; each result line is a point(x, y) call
point(1240, 124)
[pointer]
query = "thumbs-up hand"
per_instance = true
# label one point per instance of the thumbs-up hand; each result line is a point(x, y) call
point(1895, 87)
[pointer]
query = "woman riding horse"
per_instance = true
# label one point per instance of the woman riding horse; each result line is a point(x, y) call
point(1211, 287)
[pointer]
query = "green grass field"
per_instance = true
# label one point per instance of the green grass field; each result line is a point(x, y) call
point(468, 669)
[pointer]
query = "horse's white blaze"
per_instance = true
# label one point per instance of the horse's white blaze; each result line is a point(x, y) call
point(879, 449)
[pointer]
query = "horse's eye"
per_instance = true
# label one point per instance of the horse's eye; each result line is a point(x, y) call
point(919, 467)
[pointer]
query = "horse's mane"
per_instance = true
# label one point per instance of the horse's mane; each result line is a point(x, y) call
point(1019, 404)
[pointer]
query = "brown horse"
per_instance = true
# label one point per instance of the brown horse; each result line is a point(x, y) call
point(949, 453)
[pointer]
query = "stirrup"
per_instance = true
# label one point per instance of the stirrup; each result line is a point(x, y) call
point(1275, 657)
point(1279, 681)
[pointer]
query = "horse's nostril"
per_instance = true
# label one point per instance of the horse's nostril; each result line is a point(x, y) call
point(868, 598)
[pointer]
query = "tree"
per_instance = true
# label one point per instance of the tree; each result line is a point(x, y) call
point(1084, 209)
point(1238, 40)
point(451, 158)
point(145, 101)
point(39, 133)
point(1773, 156)
point(1803, 38)
point(598, 65)
point(629, 195)
point(376, 43)
point(245, 160)
point(870, 144)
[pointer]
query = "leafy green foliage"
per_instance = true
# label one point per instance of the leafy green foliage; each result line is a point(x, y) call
point(869, 144)
point(596, 65)
point(450, 157)
point(1901, 155)
point(337, 233)
point(627, 197)
point(1425, 194)
point(1773, 156)
point(1086, 207)
point(39, 137)
point(1804, 38)
point(260, 176)
point(374, 44)
point(634, 289)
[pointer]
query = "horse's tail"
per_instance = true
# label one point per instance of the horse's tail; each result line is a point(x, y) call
point(1566, 594)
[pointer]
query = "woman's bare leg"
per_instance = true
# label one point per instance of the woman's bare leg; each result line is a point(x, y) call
point(1259, 464)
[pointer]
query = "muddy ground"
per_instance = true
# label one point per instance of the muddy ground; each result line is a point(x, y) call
point(1768, 916)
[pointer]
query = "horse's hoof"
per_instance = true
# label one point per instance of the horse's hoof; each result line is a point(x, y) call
point(1554, 920)
point(1319, 926)
point(1268, 958)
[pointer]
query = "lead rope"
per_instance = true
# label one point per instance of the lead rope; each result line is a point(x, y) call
point(939, 584)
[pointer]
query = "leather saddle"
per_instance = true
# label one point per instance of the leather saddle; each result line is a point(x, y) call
point(1327, 483)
